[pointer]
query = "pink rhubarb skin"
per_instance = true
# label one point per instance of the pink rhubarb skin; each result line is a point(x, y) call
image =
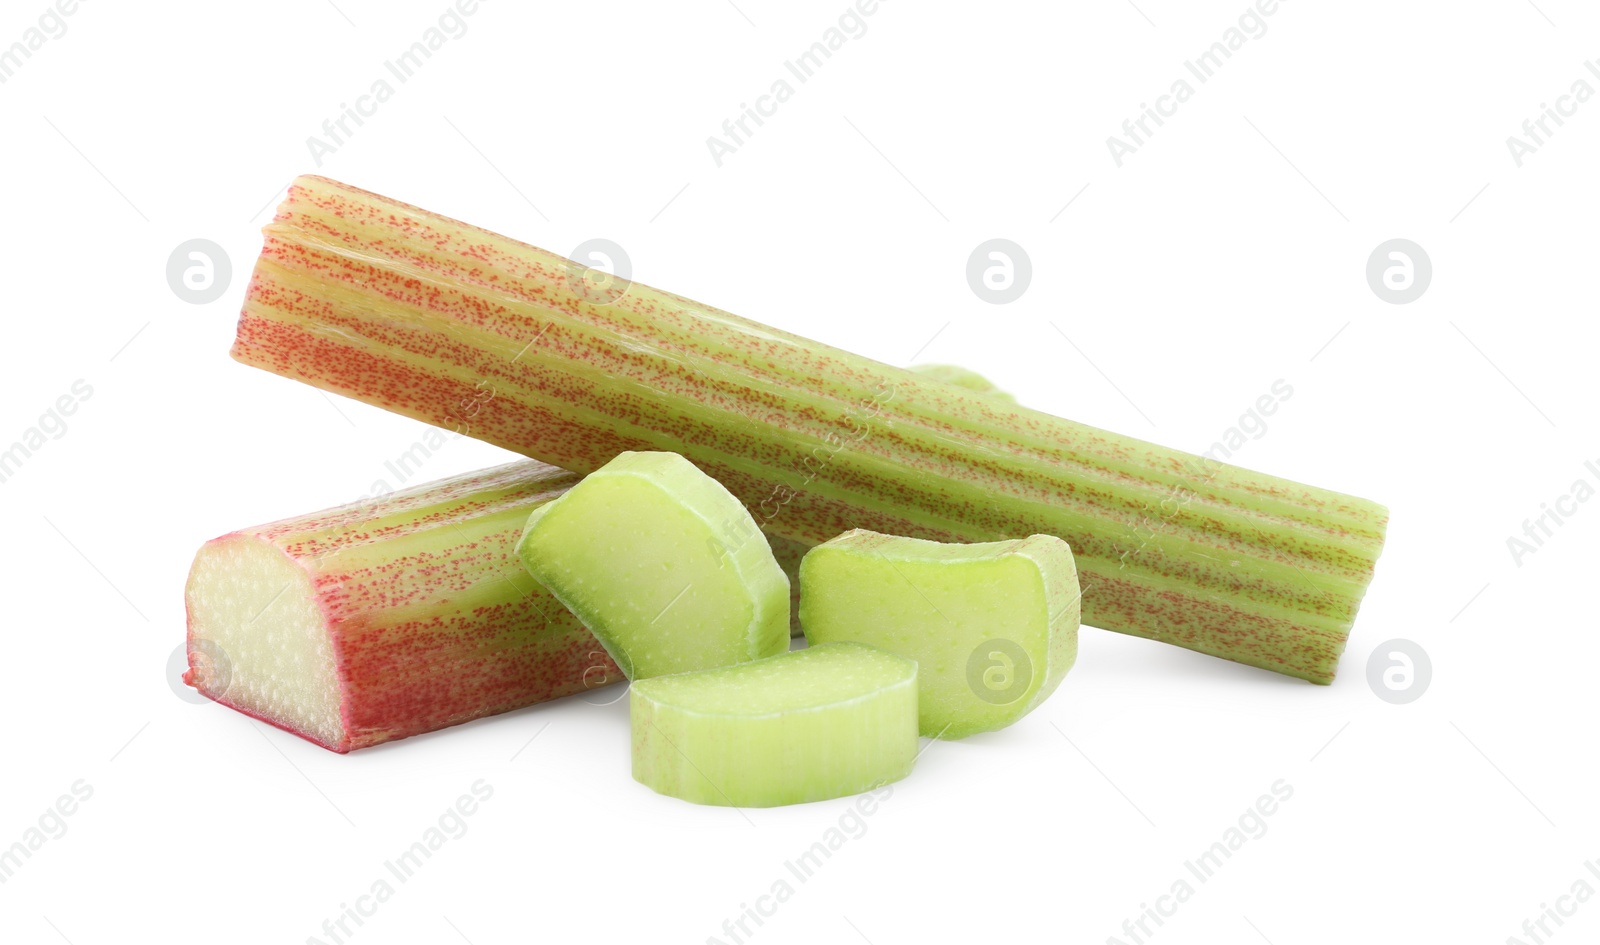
point(431, 618)
point(435, 319)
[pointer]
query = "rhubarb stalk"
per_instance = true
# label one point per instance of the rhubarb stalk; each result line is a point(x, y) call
point(390, 617)
point(457, 326)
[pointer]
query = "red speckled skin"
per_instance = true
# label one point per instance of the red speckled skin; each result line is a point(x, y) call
point(438, 320)
point(432, 619)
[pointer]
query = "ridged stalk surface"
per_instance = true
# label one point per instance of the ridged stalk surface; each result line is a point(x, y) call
point(460, 327)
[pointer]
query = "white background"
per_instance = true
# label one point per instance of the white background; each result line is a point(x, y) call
point(1227, 253)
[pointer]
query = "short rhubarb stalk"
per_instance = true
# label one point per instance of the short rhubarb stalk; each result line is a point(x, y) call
point(388, 618)
point(441, 321)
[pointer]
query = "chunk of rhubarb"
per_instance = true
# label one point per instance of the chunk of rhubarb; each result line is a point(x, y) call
point(663, 565)
point(804, 726)
point(992, 626)
point(387, 618)
point(454, 325)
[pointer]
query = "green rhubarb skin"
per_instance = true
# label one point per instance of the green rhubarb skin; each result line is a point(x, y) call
point(993, 626)
point(963, 377)
point(663, 565)
point(438, 320)
point(818, 723)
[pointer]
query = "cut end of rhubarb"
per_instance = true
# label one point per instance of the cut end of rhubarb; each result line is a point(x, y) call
point(664, 565)
point(388, 617)
point(993, 626)
point(809, 725)
point(258, 642)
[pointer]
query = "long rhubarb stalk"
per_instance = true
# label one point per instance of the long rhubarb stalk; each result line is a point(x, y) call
point(451, 324)
point(388, 618)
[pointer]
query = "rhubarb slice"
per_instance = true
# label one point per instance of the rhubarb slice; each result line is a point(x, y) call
point(448, 323)
point(805, 726)
point(992, 626)
point(387, 618)
point(963, 377)
point(663, 565)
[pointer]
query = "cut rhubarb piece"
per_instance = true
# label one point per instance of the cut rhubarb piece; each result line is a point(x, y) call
point(434, 319)
point(663, 565)
point(817, 723)
point(390, 617)
point(992, 626)
point(963, 377)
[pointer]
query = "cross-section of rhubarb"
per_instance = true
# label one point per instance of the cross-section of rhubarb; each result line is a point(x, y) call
point(387, 618)
point(823, 722)
point(442, 321)
point(992, 626)
point(663, 565)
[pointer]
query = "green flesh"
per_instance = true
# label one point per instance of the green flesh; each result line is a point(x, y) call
point(993, 626)
point(665, 567)
point(805, 726)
